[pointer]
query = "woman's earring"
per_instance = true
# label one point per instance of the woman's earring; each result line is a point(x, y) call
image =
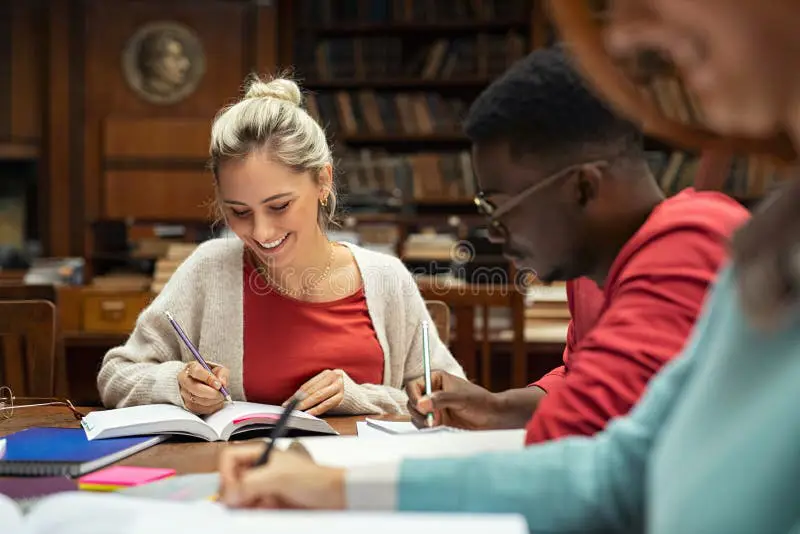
point(324, 202)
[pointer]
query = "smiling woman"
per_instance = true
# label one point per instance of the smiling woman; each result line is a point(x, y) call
point(280, 309)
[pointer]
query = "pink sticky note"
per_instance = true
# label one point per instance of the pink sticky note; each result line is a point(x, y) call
point(123, 475)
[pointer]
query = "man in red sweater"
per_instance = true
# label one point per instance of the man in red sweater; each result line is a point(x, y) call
point(568, 192)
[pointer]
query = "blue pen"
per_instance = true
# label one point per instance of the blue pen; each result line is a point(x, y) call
point(194, 352)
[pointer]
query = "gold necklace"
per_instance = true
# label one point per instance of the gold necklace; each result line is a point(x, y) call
point(296, 292)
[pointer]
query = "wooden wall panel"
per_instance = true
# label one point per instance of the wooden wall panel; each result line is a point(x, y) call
point(126, 139)
point(220, 28)
point(6, 9)
point(57, 195)
point(27, 70)
point(158, 195)
point(22, 64)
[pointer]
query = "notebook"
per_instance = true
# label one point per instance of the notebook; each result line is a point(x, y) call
point(26, 491)
point(400, 427)
point(234, 419)
point(352, 451)
point(101, 513)
point(44, 451)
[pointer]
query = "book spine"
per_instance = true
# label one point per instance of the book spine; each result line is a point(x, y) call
point(38, 469)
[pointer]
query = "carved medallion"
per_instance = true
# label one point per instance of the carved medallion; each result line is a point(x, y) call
point(163, 62)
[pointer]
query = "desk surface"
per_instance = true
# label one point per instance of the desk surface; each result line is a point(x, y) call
point(194, 457)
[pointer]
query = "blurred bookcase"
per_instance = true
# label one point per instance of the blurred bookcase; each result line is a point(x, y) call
point(391, 81)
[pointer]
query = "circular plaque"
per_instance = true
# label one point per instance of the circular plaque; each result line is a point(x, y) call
point(163, 62)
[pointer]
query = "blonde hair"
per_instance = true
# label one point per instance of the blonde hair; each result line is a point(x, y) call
point(271, 117)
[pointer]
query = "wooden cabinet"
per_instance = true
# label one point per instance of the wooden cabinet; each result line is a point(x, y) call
point(92, 311)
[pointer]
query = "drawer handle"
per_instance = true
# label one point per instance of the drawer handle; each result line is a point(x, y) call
point(112, 305)
point(112, 310)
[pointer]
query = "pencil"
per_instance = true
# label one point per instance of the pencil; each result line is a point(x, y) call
point(195, 352)
point(426, 363)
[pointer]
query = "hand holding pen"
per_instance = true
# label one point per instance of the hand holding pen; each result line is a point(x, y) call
point(256, 475)
point(203, 387)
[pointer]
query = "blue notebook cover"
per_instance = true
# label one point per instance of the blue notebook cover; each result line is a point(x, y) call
point(43, 451)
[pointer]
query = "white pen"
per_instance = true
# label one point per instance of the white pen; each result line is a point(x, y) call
point(426, 363)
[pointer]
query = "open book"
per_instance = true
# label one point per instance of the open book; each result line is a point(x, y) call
point(235, 418)
point(89, 513)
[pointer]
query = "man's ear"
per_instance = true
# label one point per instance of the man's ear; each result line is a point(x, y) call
point(587, 185)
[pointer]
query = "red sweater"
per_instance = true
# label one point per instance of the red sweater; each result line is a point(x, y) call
point(652, 297)
point(288, 341)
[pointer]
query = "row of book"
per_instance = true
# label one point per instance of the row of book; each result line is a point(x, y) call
point(747, 177)
point(368, 176)
point(371, 112)
point(366, 58)
point(332, 12)
point(379, 178)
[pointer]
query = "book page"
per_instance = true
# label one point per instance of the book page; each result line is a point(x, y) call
point(142, 420)
point(84, 513)
point(238, 413)
point(351, 451)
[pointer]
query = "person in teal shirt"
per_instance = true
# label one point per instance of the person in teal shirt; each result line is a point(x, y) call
point(712, 445)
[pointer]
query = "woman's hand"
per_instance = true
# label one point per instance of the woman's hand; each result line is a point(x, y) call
point(288, 480)
point(200, 389)
point(324, 392)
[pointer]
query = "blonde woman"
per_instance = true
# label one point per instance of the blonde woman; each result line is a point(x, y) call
point(280, 308)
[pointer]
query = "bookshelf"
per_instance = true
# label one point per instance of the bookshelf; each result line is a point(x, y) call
point(391, 81)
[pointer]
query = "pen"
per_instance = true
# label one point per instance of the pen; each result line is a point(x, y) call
point(280, 428)
point(195, 352)
point(426, 363)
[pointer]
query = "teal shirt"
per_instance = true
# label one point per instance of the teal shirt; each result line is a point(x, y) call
point(713, 446)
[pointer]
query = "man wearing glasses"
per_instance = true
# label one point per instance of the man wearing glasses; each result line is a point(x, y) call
point(566, 188)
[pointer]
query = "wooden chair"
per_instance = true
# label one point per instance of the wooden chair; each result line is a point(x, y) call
point(30, 324)
point(463, 301)
point(440, 314)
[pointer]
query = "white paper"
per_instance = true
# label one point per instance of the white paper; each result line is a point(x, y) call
point(10, 515)
point(86, 513)
point(392, 427)
point(350, 451)
point(2, 448)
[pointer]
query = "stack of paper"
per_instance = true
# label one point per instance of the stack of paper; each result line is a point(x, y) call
point(349, 451)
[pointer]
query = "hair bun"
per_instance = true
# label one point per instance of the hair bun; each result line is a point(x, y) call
point(279, 88)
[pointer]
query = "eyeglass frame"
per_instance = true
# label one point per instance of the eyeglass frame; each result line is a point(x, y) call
point(494, 213)
point(51, 401)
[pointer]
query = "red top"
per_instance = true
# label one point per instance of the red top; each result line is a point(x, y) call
point(288, 341)
point(653, 295)
point(585, 301)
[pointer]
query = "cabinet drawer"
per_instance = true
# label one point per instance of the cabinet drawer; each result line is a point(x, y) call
point(113, 312)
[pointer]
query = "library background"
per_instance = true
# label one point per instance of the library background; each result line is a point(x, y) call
point(104, 188)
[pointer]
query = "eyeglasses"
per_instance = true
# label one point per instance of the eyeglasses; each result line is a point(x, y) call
point(494, 213)
point(9, 403)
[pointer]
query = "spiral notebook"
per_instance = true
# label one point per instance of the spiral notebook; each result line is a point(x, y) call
point(44, 451)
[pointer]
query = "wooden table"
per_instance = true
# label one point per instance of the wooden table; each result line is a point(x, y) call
point(194, 457)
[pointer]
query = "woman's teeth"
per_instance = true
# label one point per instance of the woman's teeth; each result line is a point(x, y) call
point(273, 244)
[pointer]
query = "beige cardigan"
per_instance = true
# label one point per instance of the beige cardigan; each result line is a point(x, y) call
point(205, 296)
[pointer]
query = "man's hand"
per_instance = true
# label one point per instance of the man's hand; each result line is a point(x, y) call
point(289, 480)
point(459, 403)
